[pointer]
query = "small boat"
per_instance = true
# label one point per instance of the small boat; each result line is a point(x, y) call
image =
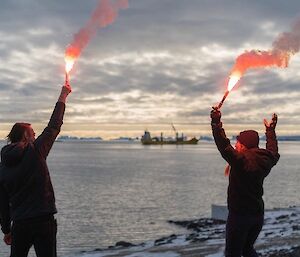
point(148, 140)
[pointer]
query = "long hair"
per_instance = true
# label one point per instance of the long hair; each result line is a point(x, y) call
point(17, 132)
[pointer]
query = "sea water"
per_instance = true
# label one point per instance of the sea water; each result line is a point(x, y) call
point(108, 192)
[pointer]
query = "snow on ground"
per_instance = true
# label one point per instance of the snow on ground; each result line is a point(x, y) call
point(275, 249)
point(281, 223)
point(138, 254)
point(281, 233)
point(221, 254)
point(147, 254)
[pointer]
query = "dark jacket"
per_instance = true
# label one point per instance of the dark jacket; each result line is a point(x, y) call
point(248, 171)
point(25, 186)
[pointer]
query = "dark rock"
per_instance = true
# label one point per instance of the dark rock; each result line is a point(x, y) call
point(282, 217)
point(269, 233)
point(180, 223)
point(293, 252)
point(198, 225)
point(191, 237)
point(219, 231)
point(124, 244)
point(192, 226)
point(201, 239)
point(165, 240)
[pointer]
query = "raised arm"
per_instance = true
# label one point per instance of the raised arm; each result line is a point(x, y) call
point(221, 140)
point(271, 139)
point(45, 141)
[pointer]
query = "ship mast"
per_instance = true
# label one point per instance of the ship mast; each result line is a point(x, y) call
point(176, 133)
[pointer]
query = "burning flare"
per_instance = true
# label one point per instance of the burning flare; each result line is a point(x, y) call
point(257, 59)
point(233, 79)
point(105, 13)
point(70, 60)
point(286, 45)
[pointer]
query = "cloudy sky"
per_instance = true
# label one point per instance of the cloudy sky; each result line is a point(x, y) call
point(160, 62)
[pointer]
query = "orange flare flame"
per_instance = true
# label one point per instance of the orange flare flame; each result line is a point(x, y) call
point(69, 64)
point(233, 80)
point(71, 55)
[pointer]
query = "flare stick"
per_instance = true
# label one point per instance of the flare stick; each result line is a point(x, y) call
point(67, 78)
point(223, 99)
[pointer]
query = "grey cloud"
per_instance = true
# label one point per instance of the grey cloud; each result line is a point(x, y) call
point(174, 26)
point(102, 100)
point(195, 114)
point(4, 87)
point(164, 77)
point(136, 100)
point(269, 82)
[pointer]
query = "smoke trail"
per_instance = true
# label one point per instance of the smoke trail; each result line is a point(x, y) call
point(289, 41)
point(286, 45)
point(105, 13)
point(259, 59)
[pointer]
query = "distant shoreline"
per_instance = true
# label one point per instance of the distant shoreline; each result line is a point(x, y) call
point(206, 139)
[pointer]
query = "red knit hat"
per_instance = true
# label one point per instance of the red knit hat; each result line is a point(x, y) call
point(248, 138)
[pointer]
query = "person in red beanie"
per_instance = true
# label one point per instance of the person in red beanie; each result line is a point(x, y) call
point(248, 167)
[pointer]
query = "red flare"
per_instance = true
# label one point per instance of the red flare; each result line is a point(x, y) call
point(256, 59)
point(286, 45)
point(71, 55)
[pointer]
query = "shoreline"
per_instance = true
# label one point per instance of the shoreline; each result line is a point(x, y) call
point(280, 236)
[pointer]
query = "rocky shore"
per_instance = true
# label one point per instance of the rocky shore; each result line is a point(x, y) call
point(280, 237)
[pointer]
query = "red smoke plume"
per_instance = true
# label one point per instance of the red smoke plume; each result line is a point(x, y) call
point(105, 13)
point(286, 45)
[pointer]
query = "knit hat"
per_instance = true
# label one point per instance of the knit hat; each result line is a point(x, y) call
point(248, 138)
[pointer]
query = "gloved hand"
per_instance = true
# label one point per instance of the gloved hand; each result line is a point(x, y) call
point(272, 123)
point(215, 115)
point(65, 91)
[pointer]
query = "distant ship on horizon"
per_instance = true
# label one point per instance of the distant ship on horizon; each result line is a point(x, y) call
point(148, 140)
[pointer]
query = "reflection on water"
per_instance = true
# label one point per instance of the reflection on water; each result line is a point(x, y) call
point(111, 192)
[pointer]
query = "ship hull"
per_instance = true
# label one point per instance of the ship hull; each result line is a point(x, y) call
point(193, 141)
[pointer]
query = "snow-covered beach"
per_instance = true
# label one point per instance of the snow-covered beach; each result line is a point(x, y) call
point(280, 237)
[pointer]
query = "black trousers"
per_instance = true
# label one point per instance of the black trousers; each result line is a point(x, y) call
point(37, 232)
point(241, 234)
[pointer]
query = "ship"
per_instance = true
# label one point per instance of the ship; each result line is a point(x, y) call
point(148, 140)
